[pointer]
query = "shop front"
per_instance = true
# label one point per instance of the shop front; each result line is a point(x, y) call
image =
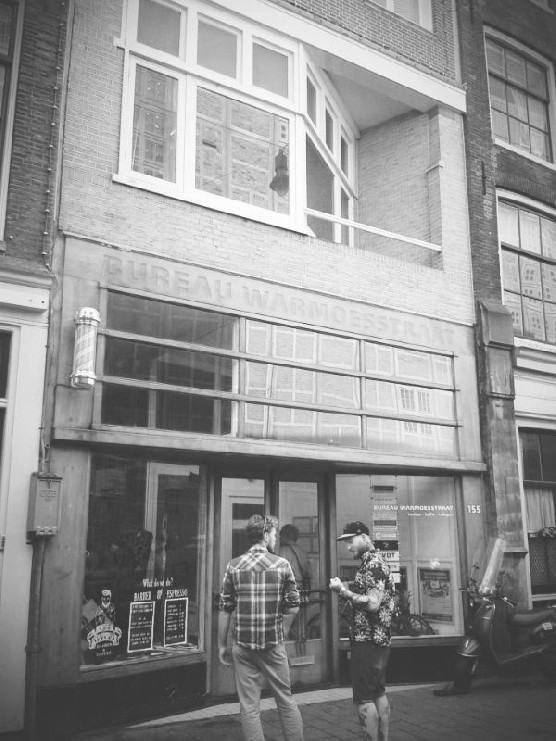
point(217, 397)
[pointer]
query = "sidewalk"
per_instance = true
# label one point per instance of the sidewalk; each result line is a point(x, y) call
point(495, 710)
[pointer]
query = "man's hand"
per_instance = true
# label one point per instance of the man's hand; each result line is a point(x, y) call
point(224, 656)
point(336, 584)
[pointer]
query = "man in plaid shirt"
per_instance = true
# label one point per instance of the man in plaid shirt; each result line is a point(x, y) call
point(259, 587)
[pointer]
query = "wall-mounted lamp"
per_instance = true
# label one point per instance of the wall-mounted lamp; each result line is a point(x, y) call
point(280, 183)
point(87, 321)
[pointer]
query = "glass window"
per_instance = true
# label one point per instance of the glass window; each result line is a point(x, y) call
point(217, 49)
point(528, 241)
point(144, 561)
point(154, 124)
point(519, 99)
point(311, 101)
point(538, 450)
point(239, 151)
point(329, 133)
point(320, 192)
point(159, 26)
point(270, 70)
point(412, 523)
point(416, 11)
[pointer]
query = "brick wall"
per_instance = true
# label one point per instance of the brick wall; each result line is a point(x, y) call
point(371, 24)
point(33, 132)
point(95, 206)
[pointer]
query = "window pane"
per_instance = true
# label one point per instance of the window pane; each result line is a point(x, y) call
point(154, 124)
point(530, 448)
point(329, 121)
point(344, 155)
point(508, 224)
point(169, 321)
point(550, 322)
point(495, 57)
point(510, 271)
point(519, 135)
point(548, 231)
point(548, 458)
point(159, 26)
point(241, 152)
point(549, 282)
point(533, 320)
point(142, 362)
point(345, 215)
point(5, 341)
point(536, 80)
point(497, 94)
point(500, 125)
point(270, 70)
point(517, 103)
point(128, 407)
point(7, 18)
point(515, 68)
point(217, 49)
point(311, 101)
point(320, 191)
point(530, 273)
point(188, 413)
point(408, 9)
point(530, 231)
point(513, 303)
point(538, 114)
point(540, 146)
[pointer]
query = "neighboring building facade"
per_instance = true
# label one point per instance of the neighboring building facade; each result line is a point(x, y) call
point(264, 233)
point(29, 39)
point(508, 58)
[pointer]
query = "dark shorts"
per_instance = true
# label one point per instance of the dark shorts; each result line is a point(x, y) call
point(368, 670)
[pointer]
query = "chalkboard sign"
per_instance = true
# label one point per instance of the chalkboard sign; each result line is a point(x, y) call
point(141, 623)
point(175, 621)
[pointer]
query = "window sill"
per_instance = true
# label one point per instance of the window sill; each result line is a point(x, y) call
point(215, 203)
point(510, 148)
point(139, 665)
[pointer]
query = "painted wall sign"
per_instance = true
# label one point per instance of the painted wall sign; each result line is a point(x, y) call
point(188, 282)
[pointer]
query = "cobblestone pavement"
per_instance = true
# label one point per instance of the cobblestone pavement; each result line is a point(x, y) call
point(495, 710)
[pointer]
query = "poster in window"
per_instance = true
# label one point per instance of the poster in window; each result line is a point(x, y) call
point(175, 621)
point(141, 625)
point(435, 586)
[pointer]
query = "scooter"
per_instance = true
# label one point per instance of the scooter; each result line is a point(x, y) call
point(504, 639)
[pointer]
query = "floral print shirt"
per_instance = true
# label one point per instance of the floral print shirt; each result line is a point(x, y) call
point(374, 573)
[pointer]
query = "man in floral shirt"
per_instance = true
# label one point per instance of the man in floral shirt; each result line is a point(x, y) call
point(372, 597)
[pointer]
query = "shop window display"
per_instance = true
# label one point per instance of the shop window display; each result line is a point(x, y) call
point(144, 559)
point(412, 522)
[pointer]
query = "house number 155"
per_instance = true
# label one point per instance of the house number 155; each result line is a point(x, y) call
point(473, 509)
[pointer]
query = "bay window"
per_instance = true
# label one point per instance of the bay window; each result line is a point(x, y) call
point(226, 114)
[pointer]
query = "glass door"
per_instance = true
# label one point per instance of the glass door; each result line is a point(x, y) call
point(301, 541)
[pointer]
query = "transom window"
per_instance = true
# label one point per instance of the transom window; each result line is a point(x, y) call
point(519, 99)
point(174, 367)
point(214, 113)
point(528, 244)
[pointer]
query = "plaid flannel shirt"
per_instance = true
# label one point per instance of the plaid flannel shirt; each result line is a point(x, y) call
point(260, 587)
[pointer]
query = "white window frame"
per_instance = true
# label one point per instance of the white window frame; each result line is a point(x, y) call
point(544, 4)
point(529, 204)
point(191, 75)
point(424, 12)
point(6, 152)
point(551, 84)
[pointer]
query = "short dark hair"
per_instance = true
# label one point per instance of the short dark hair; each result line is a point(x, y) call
point(258, 525)
point(289, 533)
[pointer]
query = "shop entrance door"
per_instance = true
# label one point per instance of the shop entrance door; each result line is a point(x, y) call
point(300, 507)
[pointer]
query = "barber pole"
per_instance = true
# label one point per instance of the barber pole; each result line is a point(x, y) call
point(87, 321)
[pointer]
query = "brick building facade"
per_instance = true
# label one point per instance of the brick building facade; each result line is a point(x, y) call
point(30, 78)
